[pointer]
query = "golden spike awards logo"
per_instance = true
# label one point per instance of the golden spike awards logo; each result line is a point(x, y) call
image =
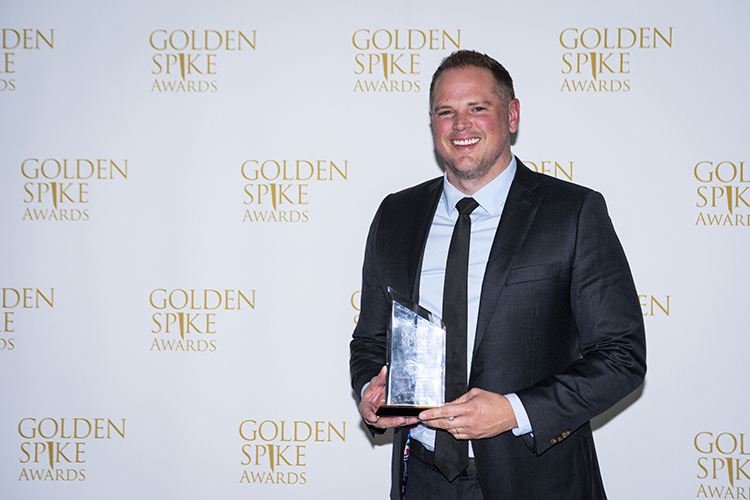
point(14, 299)
point(276, 452)
point(15, 40)
point(58, 189)
point(54, 449)
point(722, 466)
point(598, 59)
point(653, 306)
point(278, 190)
point(388, 60)
point(187, 60)
point(722, 193)
point(185, 320)
point(556, 169)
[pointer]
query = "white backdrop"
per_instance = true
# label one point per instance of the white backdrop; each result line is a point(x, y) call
point(142, 159)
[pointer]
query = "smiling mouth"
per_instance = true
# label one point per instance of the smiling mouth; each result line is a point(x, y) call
point(465, 142)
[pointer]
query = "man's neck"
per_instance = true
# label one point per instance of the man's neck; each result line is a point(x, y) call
point(472, 185)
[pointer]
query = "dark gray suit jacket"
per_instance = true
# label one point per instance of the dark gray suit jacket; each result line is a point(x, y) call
point(559, 324)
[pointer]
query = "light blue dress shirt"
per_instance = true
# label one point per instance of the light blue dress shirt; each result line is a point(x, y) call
point(484, 222)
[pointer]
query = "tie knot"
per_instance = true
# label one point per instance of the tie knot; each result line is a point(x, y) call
point(466, 205)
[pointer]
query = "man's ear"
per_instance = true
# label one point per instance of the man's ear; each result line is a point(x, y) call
point(514, 115)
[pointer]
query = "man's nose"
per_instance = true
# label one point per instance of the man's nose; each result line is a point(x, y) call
point(462, 121)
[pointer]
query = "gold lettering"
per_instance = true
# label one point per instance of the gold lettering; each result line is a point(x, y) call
point(658, 33)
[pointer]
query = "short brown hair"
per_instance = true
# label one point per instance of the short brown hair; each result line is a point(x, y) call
point(465, 58)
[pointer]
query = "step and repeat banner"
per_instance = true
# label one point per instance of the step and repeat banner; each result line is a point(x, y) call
point(185, 192)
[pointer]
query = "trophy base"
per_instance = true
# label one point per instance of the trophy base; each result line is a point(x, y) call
point(401, 411)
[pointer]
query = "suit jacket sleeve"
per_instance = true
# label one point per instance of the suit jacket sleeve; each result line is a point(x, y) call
point(368, 345)
point(608, 325)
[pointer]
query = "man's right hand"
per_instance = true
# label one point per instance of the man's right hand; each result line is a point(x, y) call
point(373, 398)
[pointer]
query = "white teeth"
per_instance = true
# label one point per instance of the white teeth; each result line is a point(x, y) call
point(466, 142)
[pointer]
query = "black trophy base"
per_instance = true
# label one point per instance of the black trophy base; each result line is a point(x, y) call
point(401, 411)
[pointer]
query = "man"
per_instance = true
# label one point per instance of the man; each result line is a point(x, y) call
point(554, 331)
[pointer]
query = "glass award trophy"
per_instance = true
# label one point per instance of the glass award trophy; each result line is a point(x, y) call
point(415, 359)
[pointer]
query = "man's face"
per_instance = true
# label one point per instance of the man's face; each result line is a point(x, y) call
point(471, 128)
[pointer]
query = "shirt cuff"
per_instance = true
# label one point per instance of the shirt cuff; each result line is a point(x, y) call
point(522, 418)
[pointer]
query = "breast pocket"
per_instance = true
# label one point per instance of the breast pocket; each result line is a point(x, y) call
point(533, 273)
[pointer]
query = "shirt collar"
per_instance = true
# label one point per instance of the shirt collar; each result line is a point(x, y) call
point(491, 197)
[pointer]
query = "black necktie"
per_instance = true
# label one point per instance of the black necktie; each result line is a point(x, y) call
point(452, 455)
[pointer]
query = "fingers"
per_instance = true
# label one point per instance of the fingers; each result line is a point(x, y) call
point(442, 417)
point(378, 382)
point(375, 391)
point(382, 375)
point(476, 414)
point(450, 411)
point(386, 422)
point(369, 416)
point(367, 410)
point(373, 397)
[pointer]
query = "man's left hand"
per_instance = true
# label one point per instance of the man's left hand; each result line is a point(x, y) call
point(475, 415)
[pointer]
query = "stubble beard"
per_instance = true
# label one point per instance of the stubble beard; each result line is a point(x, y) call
point(478, 171)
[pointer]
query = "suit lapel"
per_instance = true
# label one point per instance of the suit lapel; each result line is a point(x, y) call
point(520, 208)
